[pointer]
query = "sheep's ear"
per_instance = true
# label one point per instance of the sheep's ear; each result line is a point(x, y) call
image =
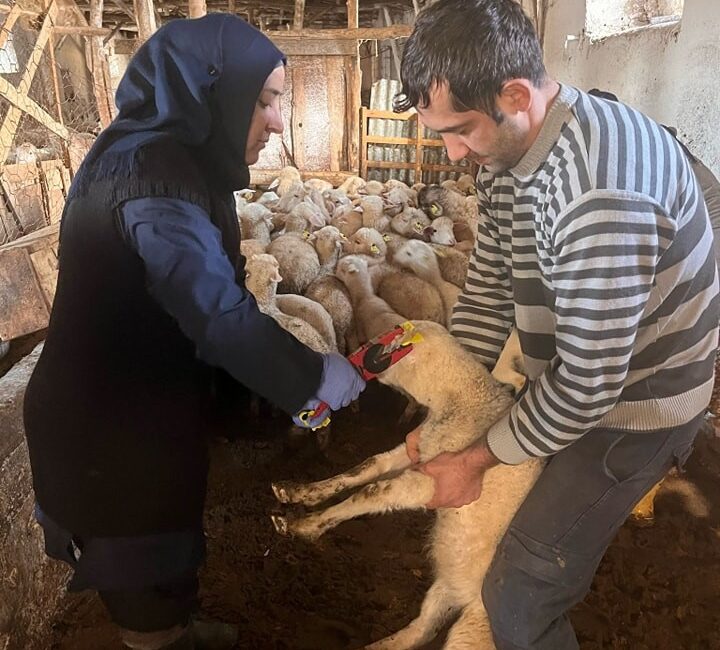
point(277, 277)
point(358, 208)
point(440, 252)
point(274, 184)
point(317, 220)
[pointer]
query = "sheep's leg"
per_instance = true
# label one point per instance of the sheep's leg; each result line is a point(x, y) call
point(472, 630)
point(311, 494)
point(436, 610)
point(410, 490)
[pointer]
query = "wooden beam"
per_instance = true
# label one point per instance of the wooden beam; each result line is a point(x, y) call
point(353, 17)
point(11, 121)
point(22, 103)
point(98, 62)
point(360, 34)
point(231, 6)
point(124, 8)
point(299, 15)
point(80, 30)
point(145, 17)
point(393, 46)
point(197, 8)
point(8, 24)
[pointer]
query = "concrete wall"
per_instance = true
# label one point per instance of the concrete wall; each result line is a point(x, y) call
point(31, 585)
point(667, 71)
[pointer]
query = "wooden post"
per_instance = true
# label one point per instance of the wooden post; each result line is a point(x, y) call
point(418, 150)
point(231, 6)
point(145, 16)
point(363, 143)
point(98, 64)
point(353, 10)
point(393, 45)
point(299, 15)
point(197, 8)
point(354, 104)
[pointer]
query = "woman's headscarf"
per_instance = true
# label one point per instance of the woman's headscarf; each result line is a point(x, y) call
point(196, 81)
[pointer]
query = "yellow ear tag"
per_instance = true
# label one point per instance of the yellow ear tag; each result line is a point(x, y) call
point(374, 249)
point(386, 238)
point(343, 237)
point(435, 210)
point(306, 234)
point(418, 227)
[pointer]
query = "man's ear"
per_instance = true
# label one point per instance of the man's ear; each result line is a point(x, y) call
point(515, 96)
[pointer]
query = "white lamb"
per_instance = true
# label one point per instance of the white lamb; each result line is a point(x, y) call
point(440, 202)
point(372, 209)
point(419, 257)
point(255, 222)
point(352, 186)
point(288, 177)
point(442, 231)
point(463, 401)
point(299, 264)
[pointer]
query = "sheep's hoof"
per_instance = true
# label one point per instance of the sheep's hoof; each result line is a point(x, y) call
point(281, 524)
point(280, 492)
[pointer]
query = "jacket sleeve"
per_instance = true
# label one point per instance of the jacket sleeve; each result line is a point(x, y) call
point(191, 277)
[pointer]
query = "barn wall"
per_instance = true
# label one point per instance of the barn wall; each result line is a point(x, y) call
point(666, 71)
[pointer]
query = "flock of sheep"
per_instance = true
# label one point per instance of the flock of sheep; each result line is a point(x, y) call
point(338, 266)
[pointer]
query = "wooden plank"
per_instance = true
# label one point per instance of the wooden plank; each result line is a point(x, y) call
point(98, 63)
point(393, 45)
point(363, 142)
point(419, 152)
point(22, 304)
point(45, 263)
point(23, 103)
point(353, 17)
point(298, 115)
point(35, 241)
point(293, 47)
point(12, 117)
point(361, 33)
point(8, 24)
point(389, 115)
point(231, 6)
point(54, 185)
point(391, 164)
point(299, 14)
point(391, 139)
point(336, 99)
point(80, 30)
point(354, 104)
point(23, 188)
point(145, 13)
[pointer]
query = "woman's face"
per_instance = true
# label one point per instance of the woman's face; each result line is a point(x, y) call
point(267, 117)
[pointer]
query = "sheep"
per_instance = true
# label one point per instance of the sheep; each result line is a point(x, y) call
point(329, 291)
point(373, 315)
point(440, 202)
point(450, 184)
point(318, 184)
point(262, 276)
point(288, 177)
point(250, 247)
point(334, 199)
point(255, 222)
point(352, 185)
point(311, 312)
point(294, 194)
point(366, 241)
point(453, 264)
point(299, 264)
point(420, 258)
point(372, 209)
point(441, 231)
point(348, 219)
point(268, 199)
point(398, 199)
point(411, 222)
point(374, 188)
point(417, 187)
point(466, 184)
point(463, 401)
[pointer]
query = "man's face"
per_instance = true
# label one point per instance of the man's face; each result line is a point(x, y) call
point(267, 117)
point(475, 135)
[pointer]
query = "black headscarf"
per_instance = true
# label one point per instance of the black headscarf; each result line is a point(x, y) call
point(196, 81)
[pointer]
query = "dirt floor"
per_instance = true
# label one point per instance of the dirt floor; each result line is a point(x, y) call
point(657, 588)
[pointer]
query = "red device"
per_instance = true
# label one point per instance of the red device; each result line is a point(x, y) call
point(372, 358)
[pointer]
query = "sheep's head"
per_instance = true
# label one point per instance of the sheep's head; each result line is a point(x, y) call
point(441, 231)
point(411, 222)
point(286, 175)
point(328, 242)
point(396, 200)
point(376, 188)
point(368, 241)
point(351, 267)
point(433, 199)
point(334, 199)
point(262, 272)
point(466, 184)
point(293, 195)
point(417, 256)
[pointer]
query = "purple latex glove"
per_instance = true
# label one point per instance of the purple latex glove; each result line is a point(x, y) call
point(340, 384)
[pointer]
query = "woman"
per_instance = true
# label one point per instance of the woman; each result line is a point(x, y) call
point(150, 298)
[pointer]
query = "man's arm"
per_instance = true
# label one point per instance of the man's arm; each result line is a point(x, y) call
point(484, 315)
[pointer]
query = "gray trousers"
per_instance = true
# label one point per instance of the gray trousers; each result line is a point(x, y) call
point(546, 561)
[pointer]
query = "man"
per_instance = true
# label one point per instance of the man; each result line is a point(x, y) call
point(594, 242)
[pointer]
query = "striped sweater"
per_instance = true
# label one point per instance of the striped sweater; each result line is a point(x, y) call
point(598, 248)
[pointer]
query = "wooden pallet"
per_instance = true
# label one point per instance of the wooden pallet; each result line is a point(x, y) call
point(28, 276)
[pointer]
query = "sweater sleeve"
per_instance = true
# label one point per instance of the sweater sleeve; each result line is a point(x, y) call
point(484, 313)
point(606, 250)
point(191, 277)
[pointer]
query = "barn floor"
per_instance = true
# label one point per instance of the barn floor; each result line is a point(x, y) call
point(657, 588)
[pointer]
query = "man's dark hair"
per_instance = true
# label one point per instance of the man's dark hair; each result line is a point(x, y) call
point(473, 45)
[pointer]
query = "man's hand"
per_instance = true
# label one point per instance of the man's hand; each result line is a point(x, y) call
point(458, 476)
point(412, 445)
